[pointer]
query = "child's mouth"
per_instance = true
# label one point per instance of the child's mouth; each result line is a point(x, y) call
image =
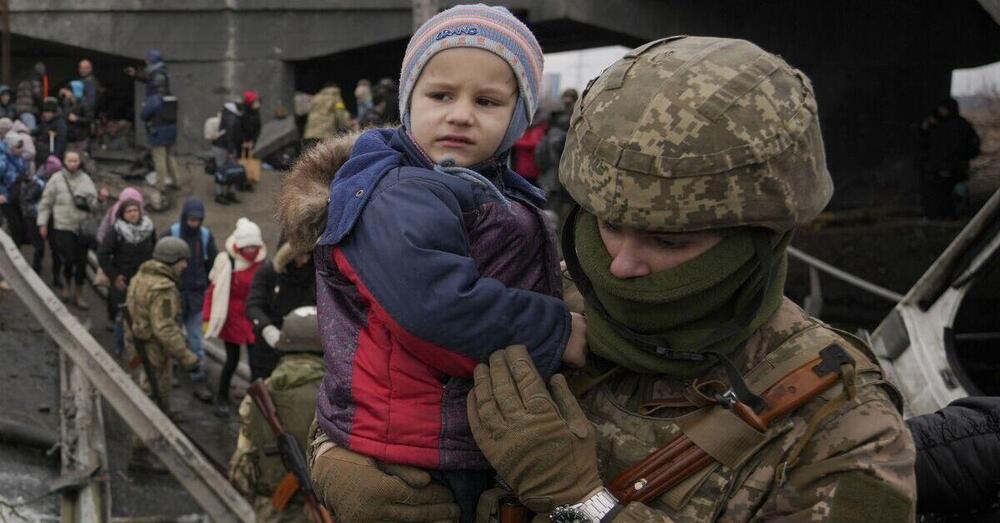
point(454, 141)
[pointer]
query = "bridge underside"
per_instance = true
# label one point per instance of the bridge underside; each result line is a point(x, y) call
point(877, 67)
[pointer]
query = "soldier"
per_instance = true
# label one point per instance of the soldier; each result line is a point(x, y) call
point(691, 161)
point(154, 309)
point(293, 385)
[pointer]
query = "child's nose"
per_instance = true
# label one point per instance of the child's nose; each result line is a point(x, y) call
point(461, 113)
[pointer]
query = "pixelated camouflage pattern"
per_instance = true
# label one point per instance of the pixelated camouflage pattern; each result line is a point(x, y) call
point(693, 133)
point(866, 436)
point(154, 304)
point(252, 472)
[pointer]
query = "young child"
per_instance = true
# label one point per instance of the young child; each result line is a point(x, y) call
point(434, 256)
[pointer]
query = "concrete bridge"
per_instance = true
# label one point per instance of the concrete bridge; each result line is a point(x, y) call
point(877, 66)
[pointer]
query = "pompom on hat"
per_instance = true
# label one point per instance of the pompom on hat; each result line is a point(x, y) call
point(247, 234)
point(480, 26)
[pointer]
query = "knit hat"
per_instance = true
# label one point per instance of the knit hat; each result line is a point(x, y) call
point(249, 97)
point(247, 234)
point(12, 139)
point(52, 165)
point(50, 105)
point(154, 56)
point(480, 26)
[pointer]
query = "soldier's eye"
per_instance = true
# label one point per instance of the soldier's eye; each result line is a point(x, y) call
point(608, 226)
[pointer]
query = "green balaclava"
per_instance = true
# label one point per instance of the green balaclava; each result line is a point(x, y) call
point(712, 303)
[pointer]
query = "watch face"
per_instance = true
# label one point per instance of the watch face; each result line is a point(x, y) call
point(569, 515)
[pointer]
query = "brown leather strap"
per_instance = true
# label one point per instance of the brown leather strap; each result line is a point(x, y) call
point(673, 463)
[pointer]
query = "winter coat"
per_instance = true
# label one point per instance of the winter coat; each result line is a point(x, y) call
point(80, 129)
point(328, 116)
point(156, 78)
point(57, 202)
point(91, 92)
point(421, 274)
point(28, 98)
point(202, 245)
point(958, 456)
point(279, 287)
point(237, 328)
point(523, 159)
point(155, 306)
point(31, 194)
point(118, 255)
point(232, 131)
point(11, 168)
point(57, 124)
point(8, 111)
point(250, 125)
point(160, 115)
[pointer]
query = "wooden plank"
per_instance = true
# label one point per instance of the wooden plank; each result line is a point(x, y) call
point(209, 488)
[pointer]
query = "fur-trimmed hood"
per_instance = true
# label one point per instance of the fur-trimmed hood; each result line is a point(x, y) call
point(301, 204)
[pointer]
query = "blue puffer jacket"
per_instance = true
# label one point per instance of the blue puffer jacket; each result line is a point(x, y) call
point(160, 115)
point(422, 274)
point(11, 167)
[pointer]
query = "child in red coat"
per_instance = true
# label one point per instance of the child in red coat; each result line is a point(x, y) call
point(225, 301)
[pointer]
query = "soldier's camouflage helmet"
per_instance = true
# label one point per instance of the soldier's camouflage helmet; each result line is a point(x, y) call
point(300, 332)
point(170, 250)
point(692, 133)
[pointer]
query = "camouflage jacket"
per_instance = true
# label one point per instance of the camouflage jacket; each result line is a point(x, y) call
point(252, 472)
point(858, 464)
point(155, 307)
point(328, 116)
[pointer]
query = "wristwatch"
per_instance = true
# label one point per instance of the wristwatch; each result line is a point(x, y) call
point(592, 510)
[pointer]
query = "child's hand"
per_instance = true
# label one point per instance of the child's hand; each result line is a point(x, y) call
point(576, 348)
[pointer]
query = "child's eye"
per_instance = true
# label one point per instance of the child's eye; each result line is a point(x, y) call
point(440, 96)
point(487, 102)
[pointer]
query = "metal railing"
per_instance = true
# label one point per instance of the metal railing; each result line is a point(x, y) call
point(814, 301)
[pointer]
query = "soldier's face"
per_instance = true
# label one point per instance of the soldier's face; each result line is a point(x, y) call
point(462, 104)
point(636, 253)
point(180, 266)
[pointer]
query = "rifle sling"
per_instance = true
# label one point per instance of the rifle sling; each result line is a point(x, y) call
point(714, 435)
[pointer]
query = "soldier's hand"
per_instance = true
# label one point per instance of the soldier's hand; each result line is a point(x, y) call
point(359, 489)
point(541, 444)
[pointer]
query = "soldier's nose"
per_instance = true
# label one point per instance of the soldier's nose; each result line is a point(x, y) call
point(626, 264)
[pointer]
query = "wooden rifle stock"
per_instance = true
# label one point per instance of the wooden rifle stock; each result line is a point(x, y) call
point(292, 482)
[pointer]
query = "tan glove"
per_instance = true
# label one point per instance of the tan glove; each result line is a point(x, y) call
point(359, 489)
point(542, 445)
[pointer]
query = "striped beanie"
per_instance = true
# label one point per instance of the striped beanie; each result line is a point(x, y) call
point(481, 26)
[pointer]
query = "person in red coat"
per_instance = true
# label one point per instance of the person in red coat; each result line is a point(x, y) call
point(523, 152)
point(224, 309)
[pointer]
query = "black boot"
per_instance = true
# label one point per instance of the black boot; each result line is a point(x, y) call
point(223, 407)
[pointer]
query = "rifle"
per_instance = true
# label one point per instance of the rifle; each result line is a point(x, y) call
point(292, 458)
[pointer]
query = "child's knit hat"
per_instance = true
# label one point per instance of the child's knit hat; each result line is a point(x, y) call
point(247, 234)
point(481, 26)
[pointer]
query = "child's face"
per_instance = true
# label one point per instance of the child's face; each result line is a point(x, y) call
point(462, 104)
